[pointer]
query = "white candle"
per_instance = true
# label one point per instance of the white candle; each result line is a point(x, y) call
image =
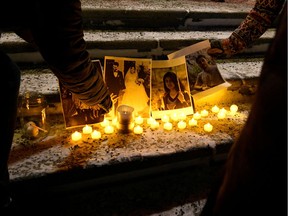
point(208, 127)
point(165, 118)
point(174, 116)
point(109, 129)
point(204, 113)
point(221, 114)
point(150, 120)
point(182, 116)
point(197, 115)
point(154, 125)
point(96, 134)
point(138, 129)
point(87, 129)
point(138, 120)
point(76, 136)
point(105, 123)
point(215, 109)
point(192, 122)
point(168, 126)
point(233, 108)
point(181, 124)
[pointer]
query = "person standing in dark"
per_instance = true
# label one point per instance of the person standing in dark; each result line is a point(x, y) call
point(55, 29)
point(115, 83)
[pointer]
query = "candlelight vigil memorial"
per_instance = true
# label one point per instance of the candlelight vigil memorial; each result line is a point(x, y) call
point(179, 108)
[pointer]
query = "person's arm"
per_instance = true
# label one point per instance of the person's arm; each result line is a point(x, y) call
point(58, 33)
point(258, 20)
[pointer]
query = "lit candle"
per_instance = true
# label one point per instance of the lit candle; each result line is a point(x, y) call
point(165, 118)
point(76, 136)
point(197, 115)
point(168, 126)
point(109, 129)
point(105, 123)
point(154, 125)
point(114, 121)
point(208, 127)
point(181, 124)
point(150, 120)
point(192, 122)
point(233, 108)
point(174, 116)
point(215, 109)
point(138, 120)
point(182, 116)
point(221, 114)
point(138, 129)
point(87, 129)
point(204, 113)
point(96, 134)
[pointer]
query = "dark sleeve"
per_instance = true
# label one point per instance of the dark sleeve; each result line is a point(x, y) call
point(58, 33)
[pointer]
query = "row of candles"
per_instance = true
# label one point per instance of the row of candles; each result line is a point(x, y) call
point(180, 118)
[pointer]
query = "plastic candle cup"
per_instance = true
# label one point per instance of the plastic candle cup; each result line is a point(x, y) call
point(221, 114)
point(109, 129)
point(181, 124)
point(168, 126)
point(215, 109)
point(138, 129)
point(208, 127)
point(87, 129)
point(76, 136)
point(204, 113)
point(192, 122)
point(150, 120)
point(197, 115)
point(96, 134)
point(154, 125)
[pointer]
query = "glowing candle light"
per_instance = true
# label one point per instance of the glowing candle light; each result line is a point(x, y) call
point(105, 123)
point(181, 124)
point(165, 118)
point(168, 126)
point(87, 129)
point(197, 115)
point(109, 129)
point(139, 120)
point(192, 122)
point(114, 121)
point(233, 108)
point(204, 113)
point(215, 109)
point(221, 114)
point(223, 110)
point(154, 125)
point(76, 136)
point(182, 116)
point(174, 116)
point(208, 127)
point(150, 120)
point(138, 129)
point(96, 134)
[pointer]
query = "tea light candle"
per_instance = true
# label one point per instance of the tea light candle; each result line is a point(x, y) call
point(174, 117)
point(138, 120)
point(154, 125)
point(96, 134)
point(215, 109)
point(221, 114)
point(114, 121)
point(233, 108)
point(138, 129)
point(208, 127)
point(204, 113)
point(181, 124)
point(192, 122)
point(165, 118)
point(105, 123)
point(182, 116)
point(168, 126)
point(76, 136)
point(150, 120)
point(87, 129)
point(197, 115)
point(109, 129)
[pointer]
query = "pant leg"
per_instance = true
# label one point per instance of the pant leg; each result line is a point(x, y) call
point(9, 91)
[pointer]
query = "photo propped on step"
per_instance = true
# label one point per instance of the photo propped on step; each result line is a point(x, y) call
point(203, 73)
point(129, 80)
point(170, 88)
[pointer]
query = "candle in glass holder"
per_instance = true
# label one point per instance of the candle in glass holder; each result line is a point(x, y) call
point(192, 122)
point(109, 129)
point(138, 120)
point(197, 115)
point(215, 109)
point(168, 126)
point(204, 113)
point(138, 129)
point(154, 125)
point(165, 118)
point(181, 124)
point(87, 129)
point(96, 134)
point(208, 127)
point(76, 136)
